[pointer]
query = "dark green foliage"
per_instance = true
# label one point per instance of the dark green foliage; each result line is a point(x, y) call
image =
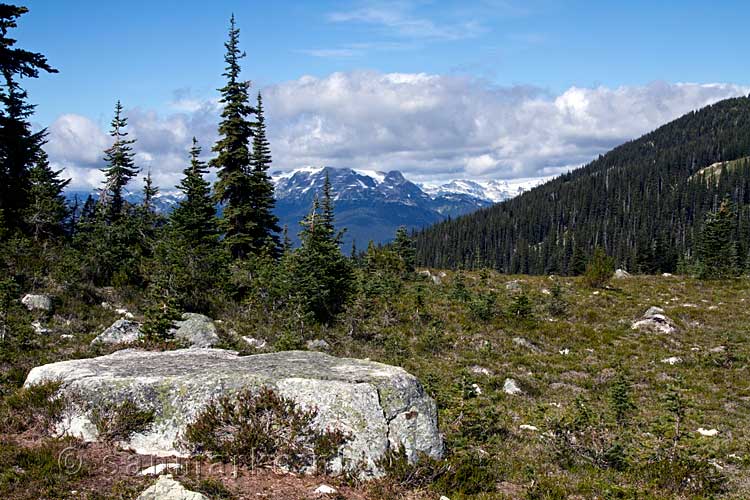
point(261, 428)
point(194, 219)
point(557, 304)
point(620, 398)
point(189, 267)
point(520, 306)
point(120, 166)
point(149, 192)
point(160, 316)
point(234, 159)
point(642, 202)
point(599, 269)
point(19, 146)
point(265, 226)
point(323, 276)
point(483, 306)
point(403, 245)
point(47, 211)
point(117, 422)
point(717, 251)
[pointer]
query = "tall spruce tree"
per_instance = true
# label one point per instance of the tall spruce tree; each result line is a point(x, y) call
point(323, 276)
point(233, 160)
point(195, 217)
point(717, 248)
point(149, 192)
point(403, 245)
point(264, 232)
point(120, 166)
point(47, 210)
point(19, 146)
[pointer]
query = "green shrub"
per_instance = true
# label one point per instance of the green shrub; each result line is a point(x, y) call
point(37, 407)
point(261, 428)
point(520, 307)
point(418, 474)
point(117, 422)
point(482, 307)
point(599, 269)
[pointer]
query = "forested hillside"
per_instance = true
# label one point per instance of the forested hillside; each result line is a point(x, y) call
point(643, 202)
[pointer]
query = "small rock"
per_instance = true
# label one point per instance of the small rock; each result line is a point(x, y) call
point(167, 488)
point(443, 497)
point(40, 302)
point(436, 280)
point(565, 351)
point(106, 305)
point(317, 345)
point(689, 305)
point(526, 427)
point(718, 348)
point(621, 274)
point(520, 341)
point(477, 389)
point(596, 292)
point(673, 360)
point(655, 320)
point(546, 292)
point(666, 275)
point(707, 432)
point(255, 343)
point(197, 330)
point(121, 311)
point(480, 370)
point(713, 308)
point(38, 328)
point(122, 331)
point(511, 387)
point(324, 489)
point(66, 336)
point(513, 286)
point(157, 469)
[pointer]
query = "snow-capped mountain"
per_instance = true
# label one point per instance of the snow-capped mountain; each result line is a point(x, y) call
point(494, 191)
point(371, 205)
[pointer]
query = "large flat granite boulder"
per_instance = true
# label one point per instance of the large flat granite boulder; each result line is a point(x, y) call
point(382, 407)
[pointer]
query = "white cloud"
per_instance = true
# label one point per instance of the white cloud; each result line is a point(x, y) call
point(432, 127)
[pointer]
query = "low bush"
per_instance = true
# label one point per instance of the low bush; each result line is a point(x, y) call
point(260, 429)
point(117, 422)
point(34, 408)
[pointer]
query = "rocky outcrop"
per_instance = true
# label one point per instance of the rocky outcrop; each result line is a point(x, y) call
point(40, 302)
point(167, 488)
point(655, 320)
point(194, 330)
point(382, 407)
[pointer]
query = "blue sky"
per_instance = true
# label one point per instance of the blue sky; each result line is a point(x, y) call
point(153, 54)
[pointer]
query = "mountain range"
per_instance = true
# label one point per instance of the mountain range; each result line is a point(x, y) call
point(644, 203)
point(370, 204)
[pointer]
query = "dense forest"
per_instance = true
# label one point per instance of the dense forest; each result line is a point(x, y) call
point(644, 202)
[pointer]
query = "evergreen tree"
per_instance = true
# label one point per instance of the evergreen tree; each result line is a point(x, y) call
point(233, 161)
point(149, 192)
point(19, 146)
point(120, 166)
point(47, 210)
point(195, 217)
point(265, 227)
point(404, 247)
point(323, 276)
point(717, 250)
